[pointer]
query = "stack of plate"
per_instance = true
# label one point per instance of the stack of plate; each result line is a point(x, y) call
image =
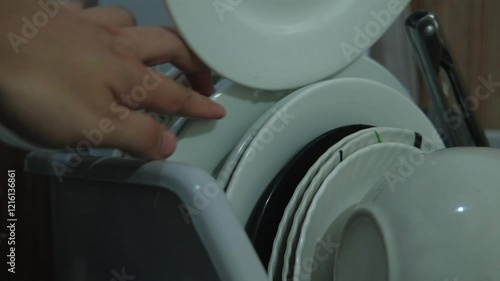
point(251, 108)
point(301, 168)
point(296, 164)
point(295, 177)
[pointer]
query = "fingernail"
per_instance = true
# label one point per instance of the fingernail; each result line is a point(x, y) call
point(168, 144)
point(221, 110)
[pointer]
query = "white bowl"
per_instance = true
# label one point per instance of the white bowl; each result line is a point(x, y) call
point(434, 218)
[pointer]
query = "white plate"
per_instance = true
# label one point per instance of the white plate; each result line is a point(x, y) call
point(197, 134)
point(317, 109)
point(243, 106)
point(286, 240)
point(276, 261)
point(268, 44)
point(363, 67)
point(306, 191)
point(225, 173)
point(335, 200)
point(367, 68)
point(206, 144)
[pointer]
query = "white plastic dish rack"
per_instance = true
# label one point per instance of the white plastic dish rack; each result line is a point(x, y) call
point(124, 219)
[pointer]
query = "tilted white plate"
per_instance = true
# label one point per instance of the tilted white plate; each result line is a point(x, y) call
point(363, 67)
point(285, 243)
point(336, 199)
point(280, 241)
point(206, 143)
point(366, 138)
point(316, 110)
point(268, 44)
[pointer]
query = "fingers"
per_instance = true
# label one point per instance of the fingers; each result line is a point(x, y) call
point(202, 82)
point(141, 136)
point(162, 46)
point(156, 92)
point(112, 16)
point(72, 5)
point(157, 45)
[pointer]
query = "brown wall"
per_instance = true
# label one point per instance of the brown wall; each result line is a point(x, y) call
point(473, 31)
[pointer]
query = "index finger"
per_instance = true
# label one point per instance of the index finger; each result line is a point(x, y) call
point(156, 45)
point(148, 89)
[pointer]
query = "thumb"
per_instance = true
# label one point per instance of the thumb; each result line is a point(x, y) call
point(142, 136)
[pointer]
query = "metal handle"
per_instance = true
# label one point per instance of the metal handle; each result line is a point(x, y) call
point(433, 56)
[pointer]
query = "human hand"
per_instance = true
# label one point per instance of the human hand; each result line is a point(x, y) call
point(81, 76)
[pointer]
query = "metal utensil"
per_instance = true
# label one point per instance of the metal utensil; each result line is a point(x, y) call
point(457, 122)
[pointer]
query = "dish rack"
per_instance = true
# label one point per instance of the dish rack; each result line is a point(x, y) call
point(121, 219)
point(126, 219)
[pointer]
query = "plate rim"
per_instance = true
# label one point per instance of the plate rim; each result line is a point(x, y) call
point(324, 188)
point(237, 153)
point(310, 191)
point(310, 175)
point(389, 95)
point(237, 39)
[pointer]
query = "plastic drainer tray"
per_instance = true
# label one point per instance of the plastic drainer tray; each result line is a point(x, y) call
point(116, 218)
